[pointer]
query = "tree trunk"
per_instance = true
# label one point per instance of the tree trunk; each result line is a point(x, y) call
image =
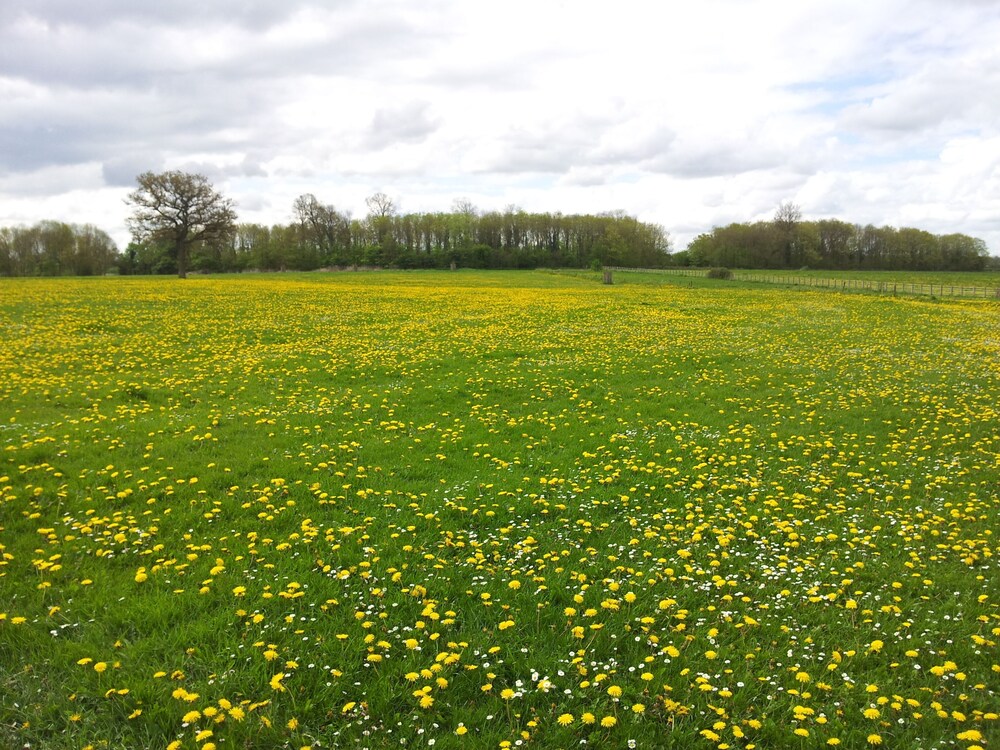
point(182, 253)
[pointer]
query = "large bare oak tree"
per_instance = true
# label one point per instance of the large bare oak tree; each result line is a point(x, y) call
point(181, 210)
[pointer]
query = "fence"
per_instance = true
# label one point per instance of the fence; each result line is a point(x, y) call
point(881, 287)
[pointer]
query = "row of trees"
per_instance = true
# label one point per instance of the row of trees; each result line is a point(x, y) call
point(179, 221)
point(789, 242)
point(53, 248)
point(321, 236)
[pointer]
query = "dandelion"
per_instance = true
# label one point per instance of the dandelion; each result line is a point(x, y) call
point(588, 718)
point(276, 682)
point(874, 739)
point(614, 691)
point(970, 735)
point(638, 708)
point(461, 729)
point(872, 713)
point(565, 719)
point(608, 721)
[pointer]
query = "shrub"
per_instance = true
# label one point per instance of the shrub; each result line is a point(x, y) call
point(720, 273)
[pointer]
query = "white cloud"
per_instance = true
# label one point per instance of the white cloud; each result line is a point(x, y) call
point(689, 115)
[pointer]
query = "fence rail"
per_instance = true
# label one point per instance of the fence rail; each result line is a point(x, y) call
point(882, 287)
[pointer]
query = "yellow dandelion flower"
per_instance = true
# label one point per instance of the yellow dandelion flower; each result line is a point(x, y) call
point(874, 739)
point(970, 735)
point(608, 722)
point(614, 691)
point(565, 719)
point(588, 718)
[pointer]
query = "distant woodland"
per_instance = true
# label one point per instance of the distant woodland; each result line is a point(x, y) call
point(789, 242)
point(320, 236)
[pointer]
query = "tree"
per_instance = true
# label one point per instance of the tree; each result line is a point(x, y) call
point(786, 218)
point(182, 210)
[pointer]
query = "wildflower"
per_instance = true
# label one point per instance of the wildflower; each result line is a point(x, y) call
point(970, 735)
point(608, 721)
point(461, 729)
point(565, 719)
point(872, 713)
point(276, 682)
point(588, 718)
point(874, 739)
point(507, 694)
point(614, 691)
point(100, 667)
point(638, 708)
point(191, 716)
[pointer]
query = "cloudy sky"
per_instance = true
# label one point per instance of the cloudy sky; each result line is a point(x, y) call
point(689, 114)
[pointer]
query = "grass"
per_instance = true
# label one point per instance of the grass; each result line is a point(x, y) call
point(927, 283)
point(489, 510)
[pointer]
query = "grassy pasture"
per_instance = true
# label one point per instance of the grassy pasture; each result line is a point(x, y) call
point(495, 510)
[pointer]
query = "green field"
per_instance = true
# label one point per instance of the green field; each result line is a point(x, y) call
point(921, 283)
point(475, 510)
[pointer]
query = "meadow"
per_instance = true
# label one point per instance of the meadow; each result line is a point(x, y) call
point(495, 510)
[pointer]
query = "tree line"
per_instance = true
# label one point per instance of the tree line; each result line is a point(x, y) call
point(789, 242)
point(179, 222)
point(321, 236)
point(54, 248)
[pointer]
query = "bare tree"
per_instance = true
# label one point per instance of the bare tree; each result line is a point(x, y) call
point(380, 205)
point(786, 218)
point(180, 209)
point(787, 215)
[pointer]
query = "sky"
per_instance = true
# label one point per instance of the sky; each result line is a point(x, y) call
point(689, 115)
